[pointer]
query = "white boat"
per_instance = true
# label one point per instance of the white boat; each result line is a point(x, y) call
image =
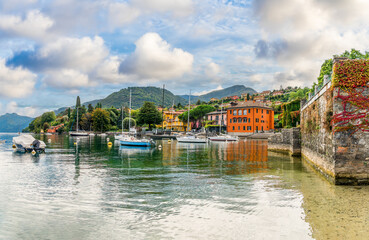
point(78, 133)
point(92, 134)
point(132, 141)
point(27, 143)
point(191, 139)
point(223, 138)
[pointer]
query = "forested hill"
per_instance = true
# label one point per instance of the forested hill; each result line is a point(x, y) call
point(139, 96)
point(235, 90)
point(12, 122)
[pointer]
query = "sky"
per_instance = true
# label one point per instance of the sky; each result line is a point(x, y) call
point(54, 50)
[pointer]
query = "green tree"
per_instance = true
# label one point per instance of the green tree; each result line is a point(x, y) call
point(78, 102)
point(98, 105)
point(69, 113)
point(48, 117)
point(198, 102)
point(100, 120)
point(248, 96)
point(45, 126)
point(86, 121)
point(90, 108)
point(149, 114)
point(126, 122)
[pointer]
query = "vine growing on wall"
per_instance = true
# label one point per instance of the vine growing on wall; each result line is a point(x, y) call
point(352, 79)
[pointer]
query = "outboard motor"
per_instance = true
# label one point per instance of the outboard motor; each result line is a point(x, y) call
point(36, 144)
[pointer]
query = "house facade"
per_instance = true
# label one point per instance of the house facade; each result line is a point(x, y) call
point(249, 117)
point(172, 122)
point(217, 117)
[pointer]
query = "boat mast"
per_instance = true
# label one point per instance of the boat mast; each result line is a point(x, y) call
point(162, 110)
point(77, 119)
point(122, 112)
point(221, 118)
point(189, 109)
point(130, 105)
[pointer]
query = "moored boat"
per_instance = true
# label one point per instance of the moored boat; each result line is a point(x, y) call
point(223, 138)
point(27, 143)
point(134, 142)
point(191, 139)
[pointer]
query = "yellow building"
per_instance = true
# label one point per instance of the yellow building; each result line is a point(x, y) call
point(172, 122)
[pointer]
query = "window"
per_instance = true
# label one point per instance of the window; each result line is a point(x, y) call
point(230, 111)
point(262, 111)
point(245, 112)
point(257, 120)
point(249, 128)
point(217, 118)
point(244, 128)
point(234, 120)
point(235, 112)
point(262, 116)
point(239, 112)
point(211, 117)
point(267, 111)
point(230, 120)
point(245, 120)
point(233, 128)
point(240, 120)
point(238, 127)
point(257, 110)
point(249, 119)
point(249, 110)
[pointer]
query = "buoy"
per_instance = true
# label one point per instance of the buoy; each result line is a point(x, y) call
point(169, 141)
point(75, 143)
point(33, 152)
point(49, 140)
point(110, 144)
point(14, 146)
point(159, 146)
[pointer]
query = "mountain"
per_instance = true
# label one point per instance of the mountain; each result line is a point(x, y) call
point(139, 96)
point(12, 122)
point(235, 90)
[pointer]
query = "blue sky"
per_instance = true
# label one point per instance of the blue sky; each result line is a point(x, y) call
point(52, 51)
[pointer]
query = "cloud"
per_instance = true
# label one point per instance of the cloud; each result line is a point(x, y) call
point(66, 62)
point(121, 13)
point(154, 58)
point(34, 25)
point(67, 78)
point(15, 82)
point(178, 8)
point(212, 70)
point(207, 91)
point(12, 107)
point(301, 38)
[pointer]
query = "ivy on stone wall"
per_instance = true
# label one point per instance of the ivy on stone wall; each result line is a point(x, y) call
point(352, 79)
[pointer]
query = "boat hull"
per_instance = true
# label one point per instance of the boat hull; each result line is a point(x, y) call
point(223, 139)
point(78, 134)
point(191, 140)
point(135, 144)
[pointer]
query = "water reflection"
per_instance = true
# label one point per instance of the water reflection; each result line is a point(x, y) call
point(183, 191)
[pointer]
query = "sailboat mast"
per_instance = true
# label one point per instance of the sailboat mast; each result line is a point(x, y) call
point(130, 105)
point(221, 117)
point(189, 109)
point(77, 119)
point(162, 110)
point(122, 112)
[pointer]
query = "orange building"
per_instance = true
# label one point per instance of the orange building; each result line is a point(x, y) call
point(249, 117)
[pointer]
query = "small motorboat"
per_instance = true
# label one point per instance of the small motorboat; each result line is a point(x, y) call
point(191, 139)
point(27, 143)
point(134, 142)
point(223, 138)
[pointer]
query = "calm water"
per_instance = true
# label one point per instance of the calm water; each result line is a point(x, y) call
point(184, 191)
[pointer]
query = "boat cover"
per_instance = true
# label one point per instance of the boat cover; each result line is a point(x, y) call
point(28, 141)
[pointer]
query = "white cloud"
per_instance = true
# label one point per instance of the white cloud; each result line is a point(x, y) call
point(109, 71)
point(212, 70)
point(301, 38)
point(121, 14)
point(35, 25)
point(12, 107)
point(15, 82)
point(82, 54)
point(67, 78)
point(176, 7)
point(154, 58)
point(207, 91)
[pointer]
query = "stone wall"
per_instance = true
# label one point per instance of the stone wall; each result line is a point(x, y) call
point(342, 156)
point(288, 140)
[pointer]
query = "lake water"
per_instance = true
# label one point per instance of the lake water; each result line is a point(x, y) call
point(183, 191)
